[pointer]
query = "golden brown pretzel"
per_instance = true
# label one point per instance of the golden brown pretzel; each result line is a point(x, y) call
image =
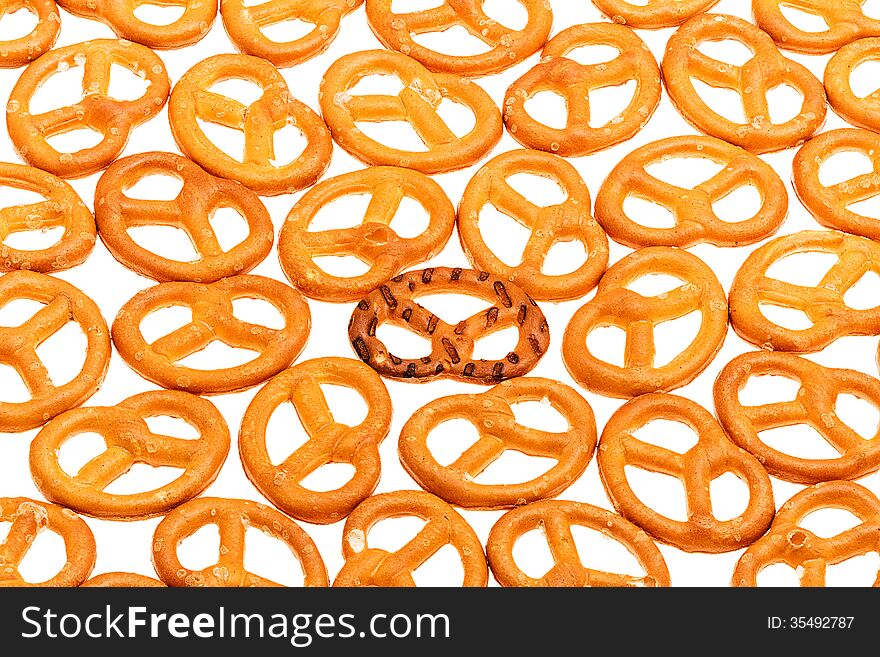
point(566, 221)
point(813, 406)
point(789, 543)
point(200, 196)
point(452, 347)
point(192, 100)
point(823, 304)
point(712, 456)
point(369, 566)
point(860, 111)
point(492, 416)
point(507, 46)
point(113, 119)
point(556, 518)
point(29, 518)
point(846, 21)
point(119, 15)
point(212, 319)
point(62, 208)
point(63, 303)
point(25, 49)
point(573, 81)
point(692, 209)
point(129, 440)
point(329, 441)
point(373, 241)
point(616, 305)
point(416, 104)
point(652, 14)
point(244, 23)
point(122, 581)
point(684, 62)
point(232, 517)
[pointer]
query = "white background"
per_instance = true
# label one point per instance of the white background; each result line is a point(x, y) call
point(126, 546)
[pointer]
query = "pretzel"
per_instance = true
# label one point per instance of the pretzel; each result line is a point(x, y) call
point(652, 14)
point(767, 69)
point(129, 441)
point(25, 49)
point(63, 303)
point(506, 46)
point(573, 81)
point(562, 222)
point(846, 21)
point(789, 543)
point(369, 566)
point(62, 208)
point(373, 241)
point(232, 517)
point(29, 518)
point(860, 111)
point(452, 347)
point(192, 100)
point(329, 441)
point(122, 581)
point(416, 104)
point(201, 195)
point(556, 518)
point(113, 119)
point(492, 416)
point(692, 209)
point(120, 16)
point(212, 319)
point(245, 24)
point(638, 315)
point(823, 305)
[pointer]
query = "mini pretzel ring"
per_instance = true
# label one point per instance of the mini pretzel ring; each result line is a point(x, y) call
point(213, 318)
point(845, 20)
point(617, 305)
point(191, 211)
point(113, 119)
point(506, 46)
point(25, 49)
point(549, 225)
point(556, 518)
point(368, 566)
point(29, 518)
point(417, 103)
point(573, 81)
point(373, 241)
point(653, 14)
point(684, 62)
point(232, 517)
point(452, 347)
point(122, 581)
point(692, 208)
point(860, 111)
point(192, 100)
point(329, 441)
point(129, 441)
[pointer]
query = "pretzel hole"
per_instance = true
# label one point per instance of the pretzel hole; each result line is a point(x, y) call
point(870, 207)
point(675, 436)
point(217, 355)
point(391, 534)
point(741, 204)
point(163, 321)
point(17, 311)
point(685, 172)
point(201, 549)
point(729, 496)
point(155, 187)
point(64, 353)
point(539, 190)
point(406, 343)
point(143, 478)
point(17, 24)
point(229, 140)
point(244, 91)
point(827, 523)
point(287, 31)
point(503, 235)
point(175, 427)
point(871, 8)
point(666, 493)
point(169, 242)
point(284, 433)
point(727, 51)
point(258, 311)
point(548, 108)
point(789, 318)
point(863, 78)
point(540, 415)
point(156, 14)
point(450, 439)
point(341, 266)
point(860, 570)
point(410, 220)
point(599, 551)
point(74, 141)
point(841, 166)
point(768, 389)
point(726, 103)
point(647, 213)
point(784, 103)
point(329, 477)
point(865, 294)
point(608, 344)
point(513, 467)
point(455, 40)
point(442, 569)
point(12, 387)
point(34, 240)
point(655, 285)
point(805, 21)
point(44, 559)
point(860, 415)
point(511, 14)
point(411, 6)
point(590, 55)
point(271, 558)
point(377, 84)
point(346, 211)
point(531, 553)
point(125, 84)
point(289, 144)
point(496, 345)
point(80, 449)
point(806, 268)
point(458, 117)
point(61, 89)
point(608, 103)
point(800, 440)
point(564, 257)
point(778, 575)
point(453, 308)
point(399, 133)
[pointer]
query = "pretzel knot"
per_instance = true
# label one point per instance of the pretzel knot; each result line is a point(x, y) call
point(550, 225)
point(790, 543)
point(556, 518)
point(574, 82)
point(30, 517)
point(692, 208)
point(492, 416)
point(767, 69)
point(213, 319)
point(417, 104)
point(373, 241)
point(25, 49)
point(845, 20)
point(367, 566)
point(452, 347)
point(190, 211)
point(652, 14)
point(506, 46)
point(823, 305)
point(245, 22)
point(129, 440)
point(113, 119)
point(329, 441)
point(617, 305)
point(232, 518)
point(192, 100)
